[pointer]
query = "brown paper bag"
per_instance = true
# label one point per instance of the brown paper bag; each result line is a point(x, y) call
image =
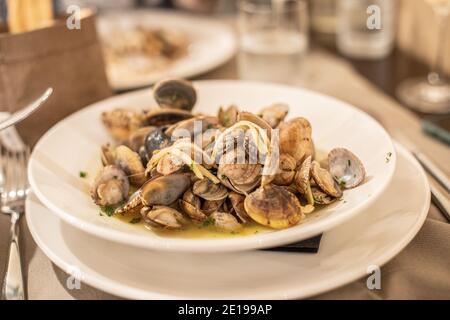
point(70, 61)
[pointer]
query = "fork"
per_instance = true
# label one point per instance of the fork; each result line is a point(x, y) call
point(14, 191)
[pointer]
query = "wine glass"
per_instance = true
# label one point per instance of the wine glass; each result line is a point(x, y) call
point(430, 94)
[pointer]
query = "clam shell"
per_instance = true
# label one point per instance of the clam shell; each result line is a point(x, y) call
point(131, 163)
point(325, 180)
point(346, 168)
point(208, 190)
point(163, 217)
point(175, 93)
point(274, 206)
point(164, 190)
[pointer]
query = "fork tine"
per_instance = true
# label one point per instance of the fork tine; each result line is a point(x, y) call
point(9, 173)
point(2, 171)
point(22, 171)
point(14, 167)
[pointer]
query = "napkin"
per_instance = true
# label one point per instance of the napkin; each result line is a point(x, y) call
point(69, 60)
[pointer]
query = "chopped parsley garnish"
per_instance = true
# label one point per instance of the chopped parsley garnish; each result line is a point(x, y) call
point(83, 174)
point(349, 162)
point(388, 156)
point(108, 210)
point(208, 222)
point(342, 184)
point(135, 220)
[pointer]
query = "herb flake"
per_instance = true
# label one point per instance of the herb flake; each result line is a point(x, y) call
point(208, 222)
point(83, 174)
point(135, 220)
point(108, 210)
point(388, 157)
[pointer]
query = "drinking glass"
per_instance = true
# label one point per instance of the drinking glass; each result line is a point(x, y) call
point(273, 38)
point(356, 38)
point(431, 94)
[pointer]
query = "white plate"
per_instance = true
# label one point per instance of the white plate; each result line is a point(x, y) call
point(73, 145)
point(211, 44)
point(372, 238)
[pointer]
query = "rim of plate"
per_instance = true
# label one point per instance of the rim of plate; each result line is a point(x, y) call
point(347, 276)
point(258, 241)
point(211, 64)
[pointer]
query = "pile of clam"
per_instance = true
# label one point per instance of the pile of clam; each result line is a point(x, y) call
point(174, 191)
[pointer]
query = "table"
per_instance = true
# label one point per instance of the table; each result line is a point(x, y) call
point(419, 271)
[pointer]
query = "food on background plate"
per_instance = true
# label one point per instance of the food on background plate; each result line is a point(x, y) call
point(142, 50)
point(174, 169)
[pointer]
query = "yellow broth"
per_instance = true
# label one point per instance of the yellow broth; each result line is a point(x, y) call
point(192, 230)
point(195, 230)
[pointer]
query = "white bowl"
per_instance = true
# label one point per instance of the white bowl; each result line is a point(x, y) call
point(73, 145)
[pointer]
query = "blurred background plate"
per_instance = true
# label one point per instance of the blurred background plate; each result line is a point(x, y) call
point(73, 145)
point(209, 44)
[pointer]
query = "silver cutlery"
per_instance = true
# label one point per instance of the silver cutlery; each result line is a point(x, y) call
point(425, 161)
point(26, 111)
point(437, 197)
point(441, 201)
point(433, 169)
point(14, 191)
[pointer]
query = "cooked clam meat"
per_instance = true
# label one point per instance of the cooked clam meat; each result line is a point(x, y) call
point(231, 171)
point(274, 114)
point(121, 123)
point(228, 117)
point(110, 187)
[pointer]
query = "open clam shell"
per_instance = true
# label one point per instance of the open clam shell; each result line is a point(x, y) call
point(274, 113)
point(321, 197)
point(175, 93)
point(228, 117)
point(346, 168)
point(164, 117)
point(110, 187)
point(163, 217)
point(225, 221)
point(302, 180)
point(325, 180)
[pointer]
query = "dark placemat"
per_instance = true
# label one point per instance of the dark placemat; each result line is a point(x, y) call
point(310, 245)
